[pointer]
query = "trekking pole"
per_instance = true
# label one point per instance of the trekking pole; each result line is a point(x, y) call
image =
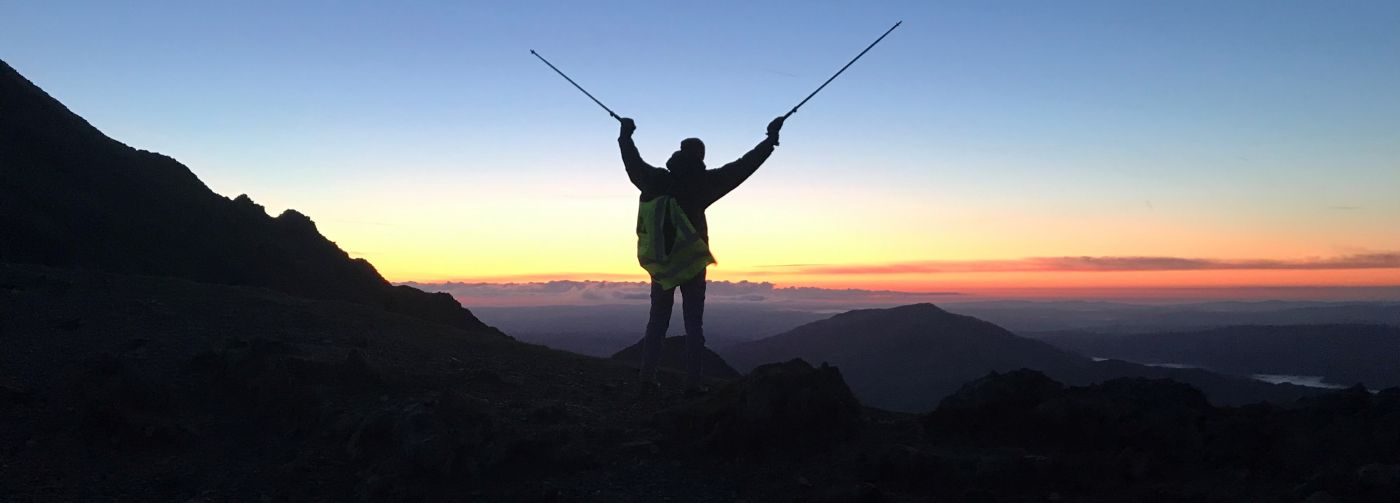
point(571, 81)
point(838, 72)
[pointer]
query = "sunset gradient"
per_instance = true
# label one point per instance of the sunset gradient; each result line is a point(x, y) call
point(1009, 149)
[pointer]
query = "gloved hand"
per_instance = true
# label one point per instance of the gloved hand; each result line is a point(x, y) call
point(628, 126)
point(774, 127)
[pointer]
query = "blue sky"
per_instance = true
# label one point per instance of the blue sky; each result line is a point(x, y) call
point(1277, 121)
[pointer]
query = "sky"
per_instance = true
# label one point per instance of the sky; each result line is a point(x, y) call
point(1050, 147)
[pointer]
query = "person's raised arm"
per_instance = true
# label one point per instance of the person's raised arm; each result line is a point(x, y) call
point(729, 176)
point(638, 170)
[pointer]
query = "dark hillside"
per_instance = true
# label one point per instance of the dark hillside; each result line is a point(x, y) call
point(139, 388)
point(72, 197)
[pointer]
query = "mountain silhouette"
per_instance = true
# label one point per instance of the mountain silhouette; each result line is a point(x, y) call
point(72, 197)
point(908, 358)
point(905, 358)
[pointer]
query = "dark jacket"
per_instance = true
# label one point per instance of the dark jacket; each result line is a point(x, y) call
point(694, 189)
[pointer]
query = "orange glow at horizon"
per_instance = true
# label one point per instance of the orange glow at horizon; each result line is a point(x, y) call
point(1037, 284)
point(1063, 280)
point(580, 227)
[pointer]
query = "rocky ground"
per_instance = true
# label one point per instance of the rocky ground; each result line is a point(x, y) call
point(131, 388)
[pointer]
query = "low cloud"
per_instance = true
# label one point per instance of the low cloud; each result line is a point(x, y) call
point(1096, 264)
point(565, 292)
point(570, 292)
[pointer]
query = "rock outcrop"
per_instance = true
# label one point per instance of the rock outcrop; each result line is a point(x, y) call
point(1140, 430)
point(787, 407)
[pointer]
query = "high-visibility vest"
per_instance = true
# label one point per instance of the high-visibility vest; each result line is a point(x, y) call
point(687, 254)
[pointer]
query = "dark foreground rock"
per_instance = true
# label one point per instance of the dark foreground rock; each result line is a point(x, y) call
point(1026, 408)
point(1145, 431)
point(137, 388)
point(786, 407)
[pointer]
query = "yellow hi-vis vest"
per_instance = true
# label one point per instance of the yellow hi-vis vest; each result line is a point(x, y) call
point(687, 255)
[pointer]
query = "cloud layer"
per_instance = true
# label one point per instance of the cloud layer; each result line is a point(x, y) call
point(564, 292)
point(571, 292)
point(1094, 264)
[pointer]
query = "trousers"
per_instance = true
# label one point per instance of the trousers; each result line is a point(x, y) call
point(692, 311)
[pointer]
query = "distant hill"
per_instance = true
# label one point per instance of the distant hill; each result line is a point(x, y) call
point(1343, 354)
point(910, 357)
point(904, 358)
point(72, 197)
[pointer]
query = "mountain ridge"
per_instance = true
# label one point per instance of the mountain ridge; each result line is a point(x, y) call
point(71, 196)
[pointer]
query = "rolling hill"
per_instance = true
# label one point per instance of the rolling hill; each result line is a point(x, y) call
point(910, 357)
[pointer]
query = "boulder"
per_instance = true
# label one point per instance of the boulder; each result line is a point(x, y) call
point(110, 400)
point(1026, 408)
point(789, 407)
point(445, 435)
point(995, 407)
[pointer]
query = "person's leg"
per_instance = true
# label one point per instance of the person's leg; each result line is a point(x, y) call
point(659, 320)
point(693, 310)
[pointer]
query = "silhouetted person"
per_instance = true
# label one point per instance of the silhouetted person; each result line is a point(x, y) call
point(695, 188)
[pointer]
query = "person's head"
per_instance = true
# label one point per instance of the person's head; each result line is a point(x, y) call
point(689, 159)
point(694, 148)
